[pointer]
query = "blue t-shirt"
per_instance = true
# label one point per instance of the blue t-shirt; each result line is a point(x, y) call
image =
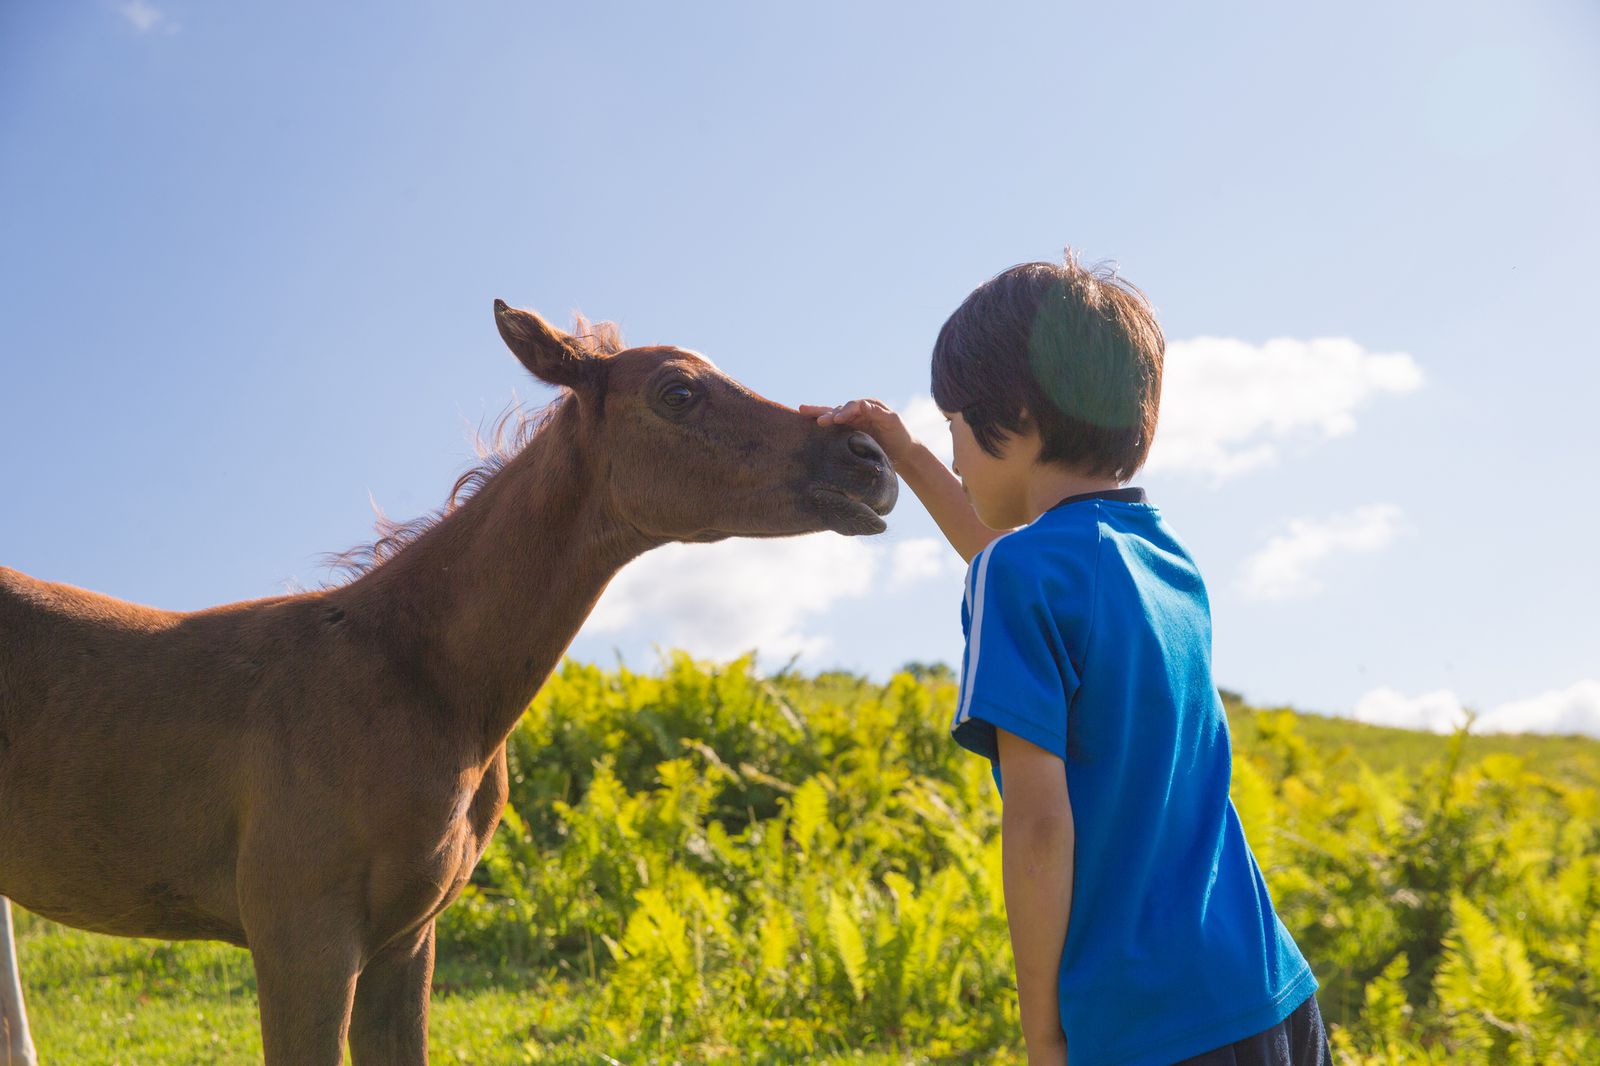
point(1089, 635)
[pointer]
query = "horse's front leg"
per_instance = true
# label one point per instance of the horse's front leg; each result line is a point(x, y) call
point(390, 1023)
point(306, 964)
point(16, 1046)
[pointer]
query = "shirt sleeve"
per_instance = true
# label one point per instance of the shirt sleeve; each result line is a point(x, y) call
point(1016, 674)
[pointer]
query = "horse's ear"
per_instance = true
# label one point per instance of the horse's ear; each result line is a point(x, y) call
point(549, 354)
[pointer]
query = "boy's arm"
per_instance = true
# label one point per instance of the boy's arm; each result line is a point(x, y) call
point(1036, 841)
point(939, 490)
point(941, 493)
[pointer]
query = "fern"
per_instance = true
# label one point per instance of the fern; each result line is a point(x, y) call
point(1486, 988)
point(791, 868)
point(1387, 1010)
point(847, 942)
point(1591, 961)
point(808, 812)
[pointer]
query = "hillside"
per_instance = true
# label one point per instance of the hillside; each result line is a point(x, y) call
point(708, 866)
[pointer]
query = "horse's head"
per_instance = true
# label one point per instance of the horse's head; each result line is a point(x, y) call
point(690, 454)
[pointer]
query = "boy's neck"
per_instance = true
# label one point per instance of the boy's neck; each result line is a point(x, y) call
point(1050, 483)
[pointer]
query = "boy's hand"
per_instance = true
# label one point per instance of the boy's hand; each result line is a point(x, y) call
point(934, 483)
point(872, 417)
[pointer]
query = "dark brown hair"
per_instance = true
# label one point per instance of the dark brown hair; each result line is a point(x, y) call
point(1072, 351)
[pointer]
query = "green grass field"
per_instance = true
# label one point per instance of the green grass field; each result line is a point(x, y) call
point(109, 1001)
point(710, 867)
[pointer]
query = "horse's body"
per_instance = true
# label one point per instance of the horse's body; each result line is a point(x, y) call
point(206, 748)
point(315, 776)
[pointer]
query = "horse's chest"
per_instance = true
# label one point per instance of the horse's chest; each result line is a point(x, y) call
point(453, 865)
point(469, 827)
point(437, 863)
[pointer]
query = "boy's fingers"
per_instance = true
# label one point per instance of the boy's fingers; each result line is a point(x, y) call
point(825, 416)
point(855, 412)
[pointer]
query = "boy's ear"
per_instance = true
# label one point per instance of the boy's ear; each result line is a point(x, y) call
point(549, 354)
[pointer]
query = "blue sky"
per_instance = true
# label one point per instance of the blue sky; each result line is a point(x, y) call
point(249, 253)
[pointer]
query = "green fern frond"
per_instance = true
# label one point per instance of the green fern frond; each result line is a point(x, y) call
point(846, 937)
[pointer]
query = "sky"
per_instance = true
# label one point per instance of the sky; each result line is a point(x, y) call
point(248, 255)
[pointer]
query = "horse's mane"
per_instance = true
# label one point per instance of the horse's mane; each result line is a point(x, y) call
point(513, 430)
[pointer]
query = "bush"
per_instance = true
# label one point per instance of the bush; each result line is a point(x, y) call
point(785, 868)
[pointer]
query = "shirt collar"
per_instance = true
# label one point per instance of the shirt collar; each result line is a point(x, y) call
point(1127, 494)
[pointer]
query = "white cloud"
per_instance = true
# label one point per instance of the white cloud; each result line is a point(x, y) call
point(720, 600)
point(146, 17)
point(922, 559)
point(1575, 709)
point(1436, 712)
point(926, 423)
point(1282, 569)
point(1228, 406)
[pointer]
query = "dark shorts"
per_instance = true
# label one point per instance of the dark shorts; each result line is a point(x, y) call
point(1298, 1040)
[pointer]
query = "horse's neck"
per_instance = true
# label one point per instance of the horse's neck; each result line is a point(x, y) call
point(489, 598)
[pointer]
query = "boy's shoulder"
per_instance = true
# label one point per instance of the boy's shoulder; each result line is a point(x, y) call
point(1069, 532)
point(1082, 550)
point(1049, 540)
point(1050, 564)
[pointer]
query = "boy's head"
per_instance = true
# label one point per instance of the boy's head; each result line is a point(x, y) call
point(1067, 354)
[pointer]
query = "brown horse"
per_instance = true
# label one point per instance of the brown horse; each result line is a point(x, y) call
point(314, 776)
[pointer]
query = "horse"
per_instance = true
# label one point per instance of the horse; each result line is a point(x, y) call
point(314, 776)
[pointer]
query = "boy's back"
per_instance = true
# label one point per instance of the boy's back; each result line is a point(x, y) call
point(1089, 635)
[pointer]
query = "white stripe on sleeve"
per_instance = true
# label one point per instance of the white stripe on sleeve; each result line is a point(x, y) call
point(975, 608)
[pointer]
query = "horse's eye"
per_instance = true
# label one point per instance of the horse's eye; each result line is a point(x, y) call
point(676, 395)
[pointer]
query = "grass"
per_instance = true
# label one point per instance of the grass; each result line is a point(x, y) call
point(104, 1001)
point(111, 1001)
point(1569, 759)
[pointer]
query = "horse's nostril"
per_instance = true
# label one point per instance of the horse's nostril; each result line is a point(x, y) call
point(864, 446)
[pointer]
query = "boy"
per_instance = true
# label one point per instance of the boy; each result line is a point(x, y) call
point(1087, 682)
